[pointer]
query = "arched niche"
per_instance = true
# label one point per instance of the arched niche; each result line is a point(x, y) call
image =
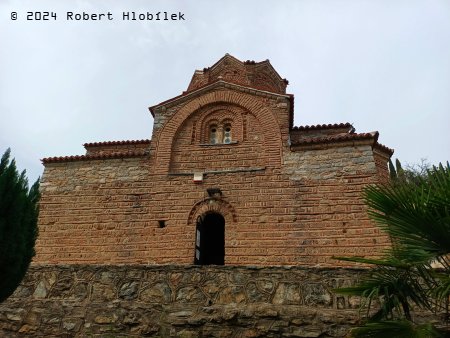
point(252, 103)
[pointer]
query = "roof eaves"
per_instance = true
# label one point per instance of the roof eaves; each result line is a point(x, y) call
point(384, 149)
point(113, 143)
point(212, 84)
point(267, 62)
point(338, 138)
point(323, 126)
point(227, 55)
point(76, 158)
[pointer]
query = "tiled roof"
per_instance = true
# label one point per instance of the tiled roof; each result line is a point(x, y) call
point(323, 126)
point(116, 143)
point(345, 137)
point(384, 148)
point(258, 75)
point(338, 138)
point(75, 158)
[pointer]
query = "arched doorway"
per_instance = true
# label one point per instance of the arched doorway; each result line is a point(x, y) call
point(210, 239)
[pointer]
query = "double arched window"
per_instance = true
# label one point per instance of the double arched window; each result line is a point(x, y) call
point(227, 133)
point(220, 134)
point(213, 135)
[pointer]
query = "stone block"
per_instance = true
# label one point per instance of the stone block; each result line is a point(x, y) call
point(287, 293)
point(157, 293)
point(62, 287)
point(190, 294)
point(129, 290)
point(71, 324)
point(102, 292)
point(254, 295)
point(41, 290)
point(316, 294)
point(231, 295)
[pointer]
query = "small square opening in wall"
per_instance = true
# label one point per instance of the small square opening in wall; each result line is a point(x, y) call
point(161, 224)
point(198, 177)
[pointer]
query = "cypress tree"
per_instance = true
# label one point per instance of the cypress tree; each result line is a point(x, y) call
point(392, 171)
point(400, 171)
point(18, 224)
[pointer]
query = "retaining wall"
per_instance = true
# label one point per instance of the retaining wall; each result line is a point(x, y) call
point(179, 301)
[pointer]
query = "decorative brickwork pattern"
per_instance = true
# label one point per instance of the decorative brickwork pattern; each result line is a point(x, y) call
point(165, 140)
point(209, 205)
point(289, 196)
point(258, 75)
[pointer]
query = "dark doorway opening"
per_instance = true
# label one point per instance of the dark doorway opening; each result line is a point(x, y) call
point(210, 240)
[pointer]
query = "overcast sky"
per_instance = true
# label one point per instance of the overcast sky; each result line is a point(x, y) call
point(381, 65)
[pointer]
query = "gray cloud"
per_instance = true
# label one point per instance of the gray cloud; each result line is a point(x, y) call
point(383, 65)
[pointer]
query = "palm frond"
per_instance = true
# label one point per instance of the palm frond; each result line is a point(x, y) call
point(388, 260)
point(441, 291)
point(392, 288)
point(416, 215)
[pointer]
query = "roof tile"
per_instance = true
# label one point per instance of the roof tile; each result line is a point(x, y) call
point(338, 138)
point(116, 143)
point(323, 126)
point(75, 158)
point(384, 148)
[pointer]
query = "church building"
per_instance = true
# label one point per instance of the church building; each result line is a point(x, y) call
point(226, 178)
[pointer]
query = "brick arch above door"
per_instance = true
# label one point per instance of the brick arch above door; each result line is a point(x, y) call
point(212, 205)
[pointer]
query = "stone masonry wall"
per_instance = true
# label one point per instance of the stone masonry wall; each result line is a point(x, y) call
point(179, 301)
point(304, 133)
point(331, 216)
point(116, 147)
point(107, 211)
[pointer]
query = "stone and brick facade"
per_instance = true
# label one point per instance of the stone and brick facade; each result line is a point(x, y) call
point(225, 174)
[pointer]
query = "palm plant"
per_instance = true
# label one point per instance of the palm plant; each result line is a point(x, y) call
point(415, 272)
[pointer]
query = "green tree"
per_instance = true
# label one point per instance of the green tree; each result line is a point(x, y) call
point(411, 173)
point(415, 272)
point(18, 224)
point(396, 172)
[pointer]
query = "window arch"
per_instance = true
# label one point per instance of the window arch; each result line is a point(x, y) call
point(219, 133)
point(213, 134)
point(227, 133)
point(221, 125)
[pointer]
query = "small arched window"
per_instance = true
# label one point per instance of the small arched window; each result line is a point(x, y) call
point(213, 135)
point(227, 134)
